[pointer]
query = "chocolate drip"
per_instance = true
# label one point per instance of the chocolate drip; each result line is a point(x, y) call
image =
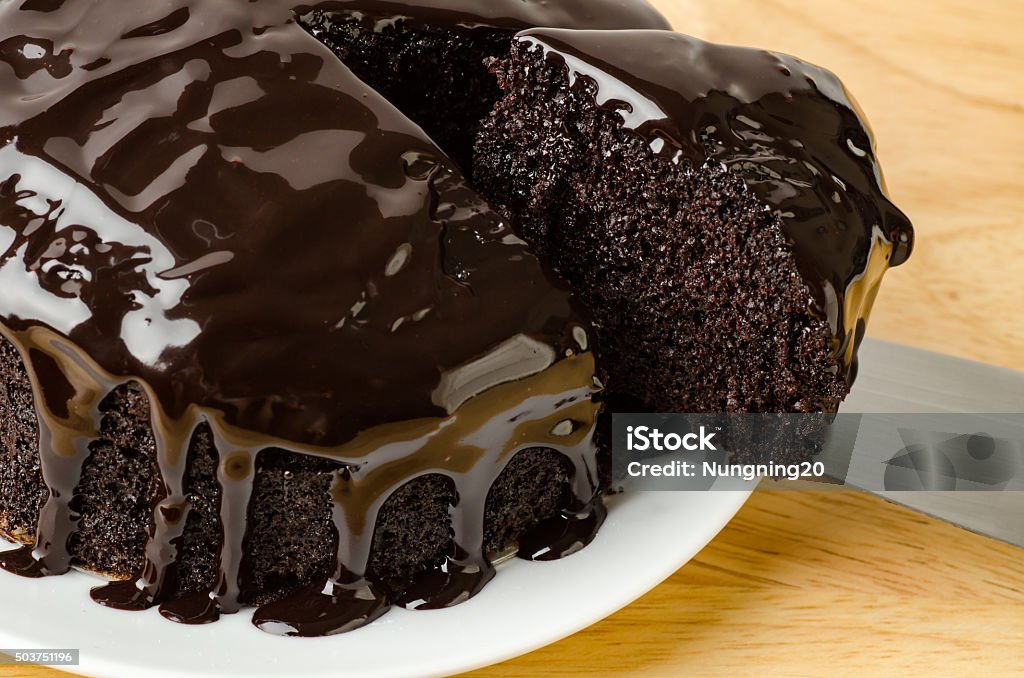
point(465, 570)
point(788, 128)
point(200, 198)
point(67, 393)
point(566, 533)
point(236, 473)
point(346, 601)
point(158, 579)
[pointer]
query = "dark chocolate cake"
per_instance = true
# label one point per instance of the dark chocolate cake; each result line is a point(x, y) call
point(261, 343)
point(719, 210)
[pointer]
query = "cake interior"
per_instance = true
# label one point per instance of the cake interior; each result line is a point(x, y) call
point(436, 76)
point(681, 268)
point(699, 303)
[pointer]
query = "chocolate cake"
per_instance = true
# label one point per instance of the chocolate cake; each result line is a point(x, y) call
point(719, 210)
point(261, 342)
point(427, 56)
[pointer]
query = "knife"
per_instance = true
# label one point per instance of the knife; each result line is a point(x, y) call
point(956, 398)
point(941, 435)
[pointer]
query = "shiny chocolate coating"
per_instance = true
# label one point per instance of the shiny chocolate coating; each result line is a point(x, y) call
point(788, 128)
point(199, 197)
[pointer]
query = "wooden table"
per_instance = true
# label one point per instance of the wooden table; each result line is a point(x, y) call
point(825, 583)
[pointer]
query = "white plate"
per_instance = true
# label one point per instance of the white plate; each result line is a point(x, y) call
point(646, 538)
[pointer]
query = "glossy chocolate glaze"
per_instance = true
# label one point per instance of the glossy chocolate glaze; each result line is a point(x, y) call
point(199, 197)
point(788, 128)
point(506, 14)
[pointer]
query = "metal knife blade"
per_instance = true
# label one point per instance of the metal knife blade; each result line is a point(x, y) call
point(899, 379)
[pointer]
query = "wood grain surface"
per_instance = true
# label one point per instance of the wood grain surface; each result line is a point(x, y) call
point(834, 582)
